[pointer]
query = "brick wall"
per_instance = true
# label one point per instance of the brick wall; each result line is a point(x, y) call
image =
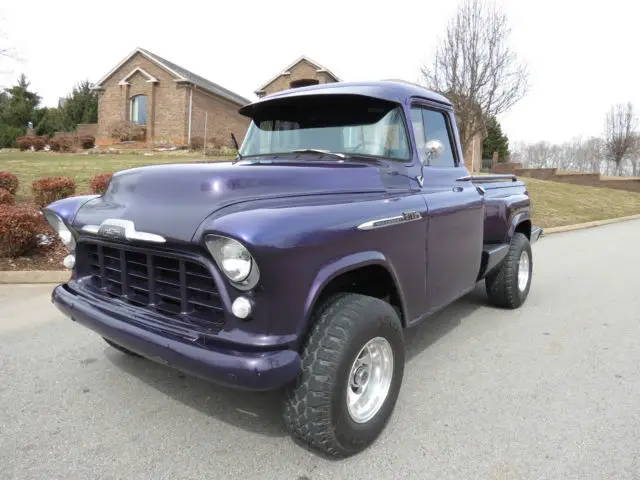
point(302, 70)
point(87, 129)
point(166, 99)
point(222, 119)
point(506, 167)
point(473, 154)
point(586, 179)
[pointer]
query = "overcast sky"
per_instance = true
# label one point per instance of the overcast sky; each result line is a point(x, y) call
point(582, 57)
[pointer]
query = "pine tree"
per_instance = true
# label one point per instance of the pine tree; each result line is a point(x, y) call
point(496, 141)
point(18, 107)
point(81, 106)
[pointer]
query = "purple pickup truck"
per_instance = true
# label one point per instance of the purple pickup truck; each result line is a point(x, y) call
point(347, 217)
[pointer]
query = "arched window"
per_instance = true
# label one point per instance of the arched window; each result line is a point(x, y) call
point(139, 109)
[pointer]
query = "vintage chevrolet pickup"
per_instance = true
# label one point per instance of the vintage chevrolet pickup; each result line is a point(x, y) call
point(347, 217)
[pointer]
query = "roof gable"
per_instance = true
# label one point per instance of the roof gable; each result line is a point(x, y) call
point(180, 74)
point(143, 72)
point(319, 68)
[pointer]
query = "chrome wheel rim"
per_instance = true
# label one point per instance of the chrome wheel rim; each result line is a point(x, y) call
point(523, 271)
point(369, 380)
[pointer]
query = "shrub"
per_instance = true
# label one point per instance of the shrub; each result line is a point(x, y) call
point(61, 144)
point(19, 228)
point(128, 131)
point(24, 143)
point(38, 143)
point(197, 143)
point(48, 190)
point(6, 198)
point(100, 182)
point(9, 182)
point(86, 141)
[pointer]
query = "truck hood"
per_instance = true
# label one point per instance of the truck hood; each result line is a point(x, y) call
point(173, 200)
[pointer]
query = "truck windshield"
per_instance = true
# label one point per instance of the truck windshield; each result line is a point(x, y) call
point(352, 126)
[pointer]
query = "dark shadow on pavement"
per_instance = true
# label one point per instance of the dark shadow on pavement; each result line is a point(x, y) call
point(257, 412)
point(260, 412)
point(420, 337)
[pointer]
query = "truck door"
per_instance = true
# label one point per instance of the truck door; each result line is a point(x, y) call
point(456, 212)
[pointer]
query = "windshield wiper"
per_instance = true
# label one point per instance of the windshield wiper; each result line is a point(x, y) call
point(317, 150)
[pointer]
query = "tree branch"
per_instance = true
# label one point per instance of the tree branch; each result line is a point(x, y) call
point(474, 67)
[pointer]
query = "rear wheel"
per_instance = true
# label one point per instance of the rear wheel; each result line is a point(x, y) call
point(120, 348)
point(508, 287)
point(352, 369)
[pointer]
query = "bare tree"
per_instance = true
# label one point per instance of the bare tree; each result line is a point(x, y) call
point(634, 156)
point(619, 133)
point(578, 155)
point(474, 67)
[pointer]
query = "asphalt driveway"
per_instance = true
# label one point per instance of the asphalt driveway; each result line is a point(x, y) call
point(548, 391)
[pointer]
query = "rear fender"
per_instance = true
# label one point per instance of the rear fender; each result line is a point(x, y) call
point(517, 220)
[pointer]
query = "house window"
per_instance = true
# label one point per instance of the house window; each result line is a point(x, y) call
point(139, 109)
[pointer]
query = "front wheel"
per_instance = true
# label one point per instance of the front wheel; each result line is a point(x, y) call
point(352, 369)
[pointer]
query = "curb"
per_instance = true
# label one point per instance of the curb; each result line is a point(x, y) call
point(61, 276)
point(35, 276)
point(581, 226)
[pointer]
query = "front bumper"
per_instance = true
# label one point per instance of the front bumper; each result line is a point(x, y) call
point(258, 370)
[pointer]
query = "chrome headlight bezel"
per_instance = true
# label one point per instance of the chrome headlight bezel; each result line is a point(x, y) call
point(218, 246)
point(62, 229)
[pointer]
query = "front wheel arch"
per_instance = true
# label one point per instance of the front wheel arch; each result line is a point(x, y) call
point(338, 276)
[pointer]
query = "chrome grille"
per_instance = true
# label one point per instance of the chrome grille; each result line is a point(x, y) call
point(178, 288)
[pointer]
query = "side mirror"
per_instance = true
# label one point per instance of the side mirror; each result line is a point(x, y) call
point(433, 150)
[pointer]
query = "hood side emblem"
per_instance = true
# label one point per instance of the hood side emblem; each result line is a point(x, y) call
point(119, 229)
point(387, 222)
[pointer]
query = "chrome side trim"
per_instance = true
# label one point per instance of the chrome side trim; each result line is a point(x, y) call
point(386, 222)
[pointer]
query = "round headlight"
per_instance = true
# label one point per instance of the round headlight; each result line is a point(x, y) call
point(234, 259)
point(61, 229)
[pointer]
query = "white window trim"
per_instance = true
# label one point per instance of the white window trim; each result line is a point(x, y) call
point(150, 78)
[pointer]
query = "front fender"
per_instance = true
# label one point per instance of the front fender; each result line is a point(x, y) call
point(342, 265)
point(67, 208)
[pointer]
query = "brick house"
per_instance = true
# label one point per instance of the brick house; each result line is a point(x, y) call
point(169, 102)
point(473, 155)
point(301, 73)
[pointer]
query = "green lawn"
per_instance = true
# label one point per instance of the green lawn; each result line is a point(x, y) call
point(554, 204)
point(30, 166)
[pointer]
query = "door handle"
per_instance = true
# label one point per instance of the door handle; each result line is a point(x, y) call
point(458, 189)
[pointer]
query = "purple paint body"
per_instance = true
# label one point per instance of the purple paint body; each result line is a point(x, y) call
point(298, 216)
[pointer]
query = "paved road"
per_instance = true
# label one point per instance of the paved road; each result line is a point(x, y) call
point(551, 391)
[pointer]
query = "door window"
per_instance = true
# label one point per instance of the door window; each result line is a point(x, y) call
point(432, 125)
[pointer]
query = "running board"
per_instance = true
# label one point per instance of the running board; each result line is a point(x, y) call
point(492, 255)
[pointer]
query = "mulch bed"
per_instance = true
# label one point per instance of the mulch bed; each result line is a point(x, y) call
point(42, 259)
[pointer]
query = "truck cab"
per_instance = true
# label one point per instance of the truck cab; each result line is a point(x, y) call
point(347, 217)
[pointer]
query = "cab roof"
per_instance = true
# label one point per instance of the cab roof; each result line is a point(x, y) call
point(397, 91)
